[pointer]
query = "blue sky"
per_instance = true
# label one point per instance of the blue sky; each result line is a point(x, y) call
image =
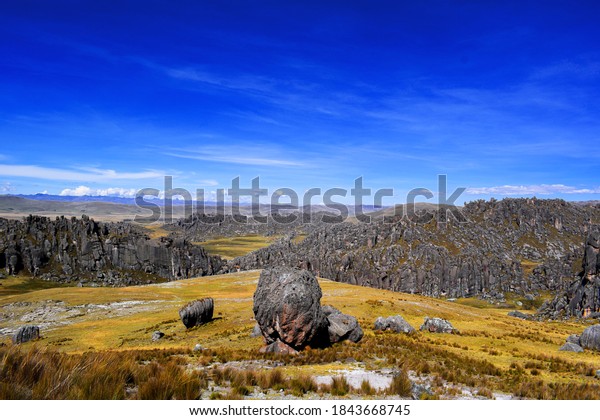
point(108, 97)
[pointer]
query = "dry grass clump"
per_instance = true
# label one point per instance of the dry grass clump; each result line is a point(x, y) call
point(401, 385)
point(39, 374)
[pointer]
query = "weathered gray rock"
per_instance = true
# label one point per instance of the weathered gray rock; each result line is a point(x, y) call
point(111, 254)
point(342, 326)
point(437, 325)
point(573, 338)
point(26, 333)
point(476, 258)
point(278, 347)
point(582, 298)
point(256, 332)
point(197, 312)
point(197, 348)
point(590, 338)
point(393, 323)
point(157, 335)
point(287, 308)
point(571, 347)
point(518, 314)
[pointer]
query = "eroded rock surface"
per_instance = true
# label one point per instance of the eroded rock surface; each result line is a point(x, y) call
point(393, 323)
point(590, 338)
point(197, 312)
point(26, 333)
point(581, 299)
point(437, 325)
point(88, 252)
point(287, 309)
point(510, 246)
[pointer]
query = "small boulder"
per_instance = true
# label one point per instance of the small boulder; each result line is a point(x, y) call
point(157, 335)
point(393, 323)
point(341, 326)
point(256, 332)
point(573, 338)
point(518, 314)
point(279, 348)
point(26, 333)
point(198, 348)
point(197, 312)
point(590, 338)
point(571, 347)
point(437, 325)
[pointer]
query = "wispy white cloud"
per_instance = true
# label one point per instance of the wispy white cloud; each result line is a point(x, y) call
point(83, 190)
point(83, 174)
point(584, 70)
point(542, 189)
point(241, 156)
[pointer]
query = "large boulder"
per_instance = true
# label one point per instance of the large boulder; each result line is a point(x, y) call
point(26, 333)
point(287, 307)
point(341, 326)
point(437, 325)
point(197, 312)
point(590, 337)
point(393, 323)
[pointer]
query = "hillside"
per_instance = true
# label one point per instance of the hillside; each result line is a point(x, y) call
point(493, 353)
point(518, 246)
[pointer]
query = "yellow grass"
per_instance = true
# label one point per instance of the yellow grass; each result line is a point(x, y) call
point(486, 333)
point(236, 246)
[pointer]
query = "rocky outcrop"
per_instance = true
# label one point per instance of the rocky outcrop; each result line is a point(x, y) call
point(582, 298)
point(393, 323)
point(514, 245)
point(590, 338)
point(197, 312)
point(288, 311)
point(26, 333)
point(287, 307)
point(88, 252)
point(437, 325)
point(342, 326)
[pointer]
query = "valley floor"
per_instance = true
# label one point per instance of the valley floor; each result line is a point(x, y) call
point(493, 356)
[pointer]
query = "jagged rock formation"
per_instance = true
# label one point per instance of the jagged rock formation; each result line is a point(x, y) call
point(287, 308)
point(202, 226)
point(26, 333)
point(437, 325)
point(582, 298)
point(342, 326)
point(197, 312)
point(89, 252)
point(590, 338)
point(393, 323)
point(514, 245)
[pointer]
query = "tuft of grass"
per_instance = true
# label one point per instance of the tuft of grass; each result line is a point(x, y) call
point(401, 385)
point(366, 388)
point(303, 384)
point(339, 386)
